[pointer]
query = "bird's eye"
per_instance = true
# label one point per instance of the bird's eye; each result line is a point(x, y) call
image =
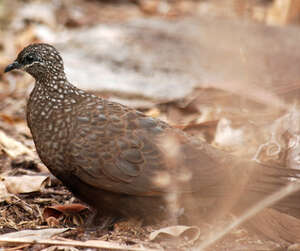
point(29, 59)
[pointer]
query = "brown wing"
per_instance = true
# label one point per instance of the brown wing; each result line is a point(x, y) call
point(126, 152)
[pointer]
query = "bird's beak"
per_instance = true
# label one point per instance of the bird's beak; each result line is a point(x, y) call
point(14, 65)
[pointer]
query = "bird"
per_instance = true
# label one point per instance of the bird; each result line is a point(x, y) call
point(124, 163)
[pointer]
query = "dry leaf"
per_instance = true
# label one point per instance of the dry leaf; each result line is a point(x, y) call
point(4, 194)
point(58, 210)
point(188, 233)
point(26, 183)
point(43, 237)
point(32, 235)
point(14, 148)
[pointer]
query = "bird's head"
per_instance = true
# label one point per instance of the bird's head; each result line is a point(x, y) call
point(39, 60)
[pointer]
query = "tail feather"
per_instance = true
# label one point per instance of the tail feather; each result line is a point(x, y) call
point(267, 180)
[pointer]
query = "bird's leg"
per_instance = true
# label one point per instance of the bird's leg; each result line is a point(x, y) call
point(97, 220)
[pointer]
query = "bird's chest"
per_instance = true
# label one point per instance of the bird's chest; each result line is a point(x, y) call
point(50, 129)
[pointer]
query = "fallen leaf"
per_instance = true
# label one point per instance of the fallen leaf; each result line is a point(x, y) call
point(190, 233)
point(4, 194)
point(13, 147)
point(58, 210)
point(25, 183)
point(26, 236)
point(43, 237)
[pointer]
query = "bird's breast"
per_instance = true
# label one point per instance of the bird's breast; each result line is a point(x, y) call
point(50, 127)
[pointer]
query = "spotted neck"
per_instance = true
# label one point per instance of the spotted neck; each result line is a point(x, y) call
point(55, 92)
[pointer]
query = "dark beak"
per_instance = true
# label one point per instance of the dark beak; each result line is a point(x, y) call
point(14, 65)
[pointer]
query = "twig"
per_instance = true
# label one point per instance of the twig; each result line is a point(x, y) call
point(90, 244)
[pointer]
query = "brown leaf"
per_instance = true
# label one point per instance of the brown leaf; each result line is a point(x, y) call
point(43, 237)
point(190, 233)
point(59, 210)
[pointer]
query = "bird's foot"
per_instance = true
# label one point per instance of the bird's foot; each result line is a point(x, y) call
point(97, 221)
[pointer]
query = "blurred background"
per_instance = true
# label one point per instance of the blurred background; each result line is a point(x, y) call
point(224, 71)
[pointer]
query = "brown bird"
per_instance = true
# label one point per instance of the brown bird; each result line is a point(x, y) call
point(124, 163)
